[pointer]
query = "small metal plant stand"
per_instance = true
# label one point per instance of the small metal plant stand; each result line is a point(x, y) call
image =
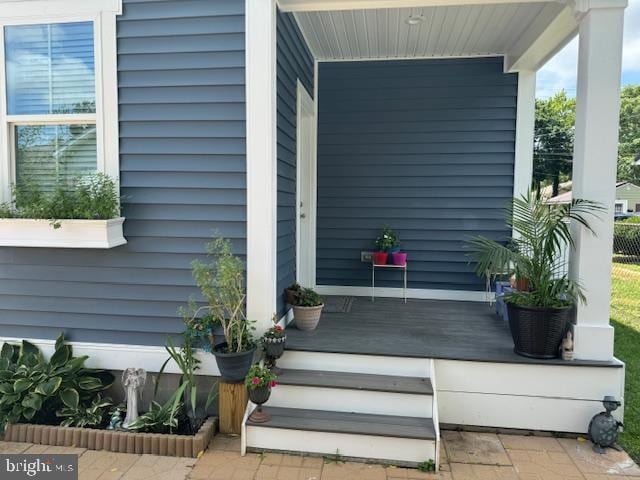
point(403, 268)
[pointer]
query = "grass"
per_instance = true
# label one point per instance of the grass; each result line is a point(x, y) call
point(625, 316)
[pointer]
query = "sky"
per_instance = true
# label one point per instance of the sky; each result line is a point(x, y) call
point(560, 72)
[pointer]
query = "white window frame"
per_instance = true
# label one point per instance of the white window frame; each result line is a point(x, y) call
point(102, 13)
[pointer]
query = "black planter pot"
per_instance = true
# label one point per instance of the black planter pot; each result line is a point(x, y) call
point(260, 395)
point(233, 366)
point(538, 332)
point(274, 348)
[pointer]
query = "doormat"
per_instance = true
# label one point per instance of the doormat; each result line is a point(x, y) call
point(338, 304)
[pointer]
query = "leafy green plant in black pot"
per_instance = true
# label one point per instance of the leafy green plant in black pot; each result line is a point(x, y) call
point(33, 389)
point(307, 309)
point(221, 280)
point(540, 315)
point(273, 342)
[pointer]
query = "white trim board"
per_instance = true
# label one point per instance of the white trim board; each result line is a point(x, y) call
point(416, 293)
point(113, 356)
point(261, 136)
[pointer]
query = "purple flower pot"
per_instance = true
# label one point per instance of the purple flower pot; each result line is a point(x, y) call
point(399, 258)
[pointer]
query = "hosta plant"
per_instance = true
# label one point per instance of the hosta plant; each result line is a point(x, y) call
point(33, 389)
point(159, 418)
point(92, 415)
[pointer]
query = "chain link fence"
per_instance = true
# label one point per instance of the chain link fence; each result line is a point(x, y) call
point(626, 255)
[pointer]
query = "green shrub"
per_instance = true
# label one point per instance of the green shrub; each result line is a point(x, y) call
point(33, 389)
point(308, 298)
point(94, 197)
point(626, 236)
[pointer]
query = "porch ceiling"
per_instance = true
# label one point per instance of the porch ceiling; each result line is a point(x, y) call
point(438, 31)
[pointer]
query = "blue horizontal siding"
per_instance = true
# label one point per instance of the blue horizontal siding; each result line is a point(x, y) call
point(425, 146)
point(182, 160)
point(294, 61)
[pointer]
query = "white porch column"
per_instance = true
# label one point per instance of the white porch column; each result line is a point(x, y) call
point(594, 167)
point(260, 21)
point(525, 126)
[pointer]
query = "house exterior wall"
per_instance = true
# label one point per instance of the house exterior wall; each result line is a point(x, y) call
point(182, 161)
point(424, 146)
point(630, 193)
point(294, 61)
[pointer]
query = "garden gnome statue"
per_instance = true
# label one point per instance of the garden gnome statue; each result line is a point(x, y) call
point(603, 428)
point(566, 349)
point(133, 380)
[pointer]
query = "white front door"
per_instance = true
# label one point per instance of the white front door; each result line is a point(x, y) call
point(306, 190)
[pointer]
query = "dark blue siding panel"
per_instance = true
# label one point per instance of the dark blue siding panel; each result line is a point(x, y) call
point(294, 62)
point(425, 146)
point(182, 160)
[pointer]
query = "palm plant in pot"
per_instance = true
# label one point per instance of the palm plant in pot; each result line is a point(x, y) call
point(307, 309)
point(540, 313)
point(221, 280)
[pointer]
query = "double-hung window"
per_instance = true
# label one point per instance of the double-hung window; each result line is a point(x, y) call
point(58, 98)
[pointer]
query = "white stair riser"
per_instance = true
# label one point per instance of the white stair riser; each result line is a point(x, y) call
point(390, 449)
point(372, 364)
point(347, 400)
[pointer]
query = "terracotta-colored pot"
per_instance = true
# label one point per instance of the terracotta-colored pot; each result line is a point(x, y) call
point(307, 318)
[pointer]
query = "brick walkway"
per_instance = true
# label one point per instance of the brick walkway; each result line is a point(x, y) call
point(465, 456)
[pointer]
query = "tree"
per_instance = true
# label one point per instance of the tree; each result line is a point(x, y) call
point(629, 139)
point(553, 140)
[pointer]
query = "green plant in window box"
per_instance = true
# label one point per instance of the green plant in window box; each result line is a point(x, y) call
point(92, 197)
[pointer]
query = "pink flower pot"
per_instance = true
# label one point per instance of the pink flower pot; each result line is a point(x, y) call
point(399, 258)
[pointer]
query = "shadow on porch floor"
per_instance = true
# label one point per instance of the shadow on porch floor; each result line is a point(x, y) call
point(441, 329)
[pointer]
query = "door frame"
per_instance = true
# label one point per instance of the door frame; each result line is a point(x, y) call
point(304, 103)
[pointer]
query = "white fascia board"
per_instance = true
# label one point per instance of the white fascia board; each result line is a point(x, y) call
point(326, 5)
point(548, 33)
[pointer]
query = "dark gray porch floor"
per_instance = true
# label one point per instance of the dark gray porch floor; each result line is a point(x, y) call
point(420, 328)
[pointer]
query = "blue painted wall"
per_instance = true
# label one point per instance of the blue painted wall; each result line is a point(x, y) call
point(425, 146)
point(294, 62)
point(182, 129)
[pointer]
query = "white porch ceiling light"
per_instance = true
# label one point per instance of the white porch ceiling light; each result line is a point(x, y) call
point(414, 20)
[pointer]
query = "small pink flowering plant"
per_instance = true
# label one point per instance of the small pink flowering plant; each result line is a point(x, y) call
point(274, 332)
point(259, 377)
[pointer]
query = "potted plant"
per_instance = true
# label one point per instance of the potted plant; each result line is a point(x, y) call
point(221, 280)
point(259, 382)
point(292, 292)
point(273, 342)
point(386, 243)
point(307, 309)
point(539, 315)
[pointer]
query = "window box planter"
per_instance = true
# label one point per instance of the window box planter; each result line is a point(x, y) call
point(24, 232)
point(113, 440)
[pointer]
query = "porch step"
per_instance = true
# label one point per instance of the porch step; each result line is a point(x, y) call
point(356, 381)
point(403, 440)
point(353, 392)
point(355, 363)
